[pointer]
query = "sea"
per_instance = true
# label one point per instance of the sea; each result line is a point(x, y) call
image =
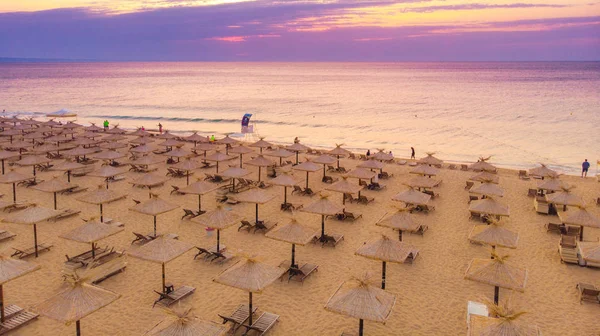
point(520, 114)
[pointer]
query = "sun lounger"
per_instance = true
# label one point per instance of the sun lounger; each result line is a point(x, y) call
point(332, 239)
point(351, 215)
point(221, 257)
point(10, 206)
point(464, 167)
point(452, 166)
point(556, 228)
point(30, 182)
point(328, 179)
point(5, 235)
point(141, 239)
point(74, 190)
point(297, 189)
point(331, 168)
point(376, 186)
point(65, 214)
point(469, 185)
point(82, 171)
point(291, 207)
point(239, 316)
point(424, 208)
point(15, 317)
point(588, 293)
point(431, 193)
point(385, 175)
point(264, 226)
point(262, 325)
point(24, 253)
point(246, 225)
point(472, 198)
point(411, 256)
point(189, 214)
point(523, 175)
point(598, 201)
point(362, 199)
point(421, 230)
point(174, 296)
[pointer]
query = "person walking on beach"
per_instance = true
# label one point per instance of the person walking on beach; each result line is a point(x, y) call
point(160, 128)
point(412, 152)
point(105, 125)
point(584, 168)
point(368, 153)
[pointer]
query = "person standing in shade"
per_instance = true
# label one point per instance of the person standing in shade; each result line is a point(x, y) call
point(105, 125)
point(412, 152)
point(584, 168)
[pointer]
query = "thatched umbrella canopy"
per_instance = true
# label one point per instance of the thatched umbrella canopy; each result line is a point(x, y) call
point(227, 141)
point(338, 152)
point(402, 220)
point(149, 181)
point(590, 251)
point(143, 149)
point(323, 207)
point(205, 147)
point(280, 153)
point(218, 157)
point(381, 155)
point(178, 153)
point(256, 196)
point(580, 217)
point(565, 198)
point(118, 145)
point(79, 151)
point(109, 155)
point(43, 149)
point(146, 160)
point(483, 165)
point(295, 234)
point(498, 273)
point(154, 207)
point(93, 128)
point(385, 250)
point(195, 138)
point(260, 161)
point(324, 160)
point(552, 185)
point(489, 206)
point(308, 167)
point(505, 322)
point(142, 141)
point(91, 232)
point(161, 250)
point(371, 164)
point(84, 142)
point(140, 133)
point(13, 178)
point(430, 160)
point(166, 135)
point(488, 189)
point(361, 174)
point(251, 276)
point(5, 155)
point(411, 196)
point(218, 219)
point(543, 171)
point(199, 188)
point(68, 166)
point(54, 186)
point(187, 166)
point(344, 187)
point(100, 197)
point(297, 148)
point(32, 216)
point(107, 172)
point(425, 170)
point(286, 181)
point(116, 130)
point(183, 323)
point(32, 160)
point(75, 300)
point(169, 143)
point(423, 182)
point(241, 150)
point(485, 177)
point(235, 172)
point(114, 138)
point(359, 299)
point(261, 144)
point(11, 269)
point(494, 235)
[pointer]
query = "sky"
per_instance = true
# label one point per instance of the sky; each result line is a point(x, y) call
point(301, 30)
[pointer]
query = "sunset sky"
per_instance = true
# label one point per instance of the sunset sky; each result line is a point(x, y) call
point(301, 30)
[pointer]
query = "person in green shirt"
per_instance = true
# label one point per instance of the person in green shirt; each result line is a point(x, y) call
point(105, 125)
point(212, 138)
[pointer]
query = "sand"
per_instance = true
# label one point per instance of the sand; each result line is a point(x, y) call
point(431, 293)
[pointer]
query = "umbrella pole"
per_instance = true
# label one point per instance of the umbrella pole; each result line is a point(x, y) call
point(343, 199)
point(338, 162)
point(218, 240)
point(284, 195)
point(360, 327)
point(233, 183)
point(54, 201)
point(257, 213)
point(2, 318)
point(107, 183)
point(259, 173)
point(69, 176)
point(101, 215)
point(35, 239)
point(399, 235)
point(163, 278)
point(250, 307)
point(187, 178)
point(154, 226)
point(293, 255)
point(199, 203)
point(33, 170)
point(2, 167)
point(383, 275)
point(496, 294)
point(581, 234)
point(280, 161)
point(93, 250)
point(323, 171)
point(241, 160)
point(322, 227)
point(493, 251)
point(217, 167)
point(14, 193)
point(78, 328)
point(296, 157)
point(307, 180)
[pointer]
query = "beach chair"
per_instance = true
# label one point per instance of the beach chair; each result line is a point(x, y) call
point(568, 241)
point(425, 208)
point(332, 239)
point(264, 226)
point(588, 293)
point(5, 235)
point(65, 214)
point(421, 230)
point(574, 231)
point(452, 166)
point(556, 228)
point(167, 299)
point(472, 198)
point(15, 317)
point(523, 175)
point(44, 167)
point(598, 201)
point(327, 179)
point(141, 239)
point(341, 170)
point(239, 316)
point(221, 257)
point(308, 192)
point(469, 185)
point(464, 167)
point(265, 322)
point(385, 175)
point(17, 206)
point(362, 199)
point(532, 192)
point(375, 186)
point(82, 172)
point(175, 190)
point(201, 251)
point(189, 214)
point(74, 190)
point(331, 168)
point(246, 225)
point(351, 215)
point(431, 193)
point(24, 253)
point(411, 256)
point(350, 198)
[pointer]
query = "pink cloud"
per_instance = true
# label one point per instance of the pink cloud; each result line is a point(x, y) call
point(240, 38)
point(366, 39)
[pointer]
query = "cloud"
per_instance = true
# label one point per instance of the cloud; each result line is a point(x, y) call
point(476, 6)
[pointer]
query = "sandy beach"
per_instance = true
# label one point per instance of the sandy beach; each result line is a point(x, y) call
point(431, 293)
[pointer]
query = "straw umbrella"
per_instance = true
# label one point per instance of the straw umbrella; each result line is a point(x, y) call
point(199, 188)
point(118, 145)
point(307, 167)
point(580, 217)
point(361, 174)
point(142, 140)
point(241, 150)
point(425, 170)
point(280, 153)
point(161, 250)
point(32, 216)
point(54, 186)
point(259, 161)
point(170, 143)
point(565, 198)
point(498, 273)
point(142, 149)
point(552, 185)
point(205, 147)
point(297, 148)
point(146, 160)
point(412, 196)
point(286, 181)
point(324, 160)
point(233, 173)
point(402, 221)
point(75, 300)
point(503, 323)
point(91, 232)
point(5, 155)
point(590, 251)
point(494, 235)
point(372, 164)
point(11, 269)
point(110, 155)
point(483, 165)
point(489, 206)
point(256, 196)
point(488, 190)
point(295, 234)
point(93, 128)
point(154, 207)
point(323, 207)
point(116, 130)
point(543, 171)
point(149, 180)
point(33, 160)
point(423, 182)
point(219, 219)
point(430, 160)
point(261, 144)
point(251, 276)
point(385, 250)
point(79, 151)
point(166, 135)
point(183, 323)
point(485, 177)
point(68, 166)
point(178, 153)
point(345, 187)
point(13, 178)
point(107, 172)
point(218, 157)
point(195, 138)
point(359, 299)
point(187, 166)
point(227, 141)
point(383, 156)
point(100, 197)
point(338, 152)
